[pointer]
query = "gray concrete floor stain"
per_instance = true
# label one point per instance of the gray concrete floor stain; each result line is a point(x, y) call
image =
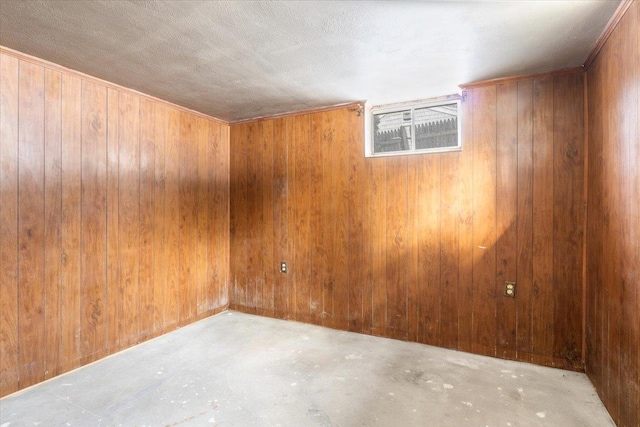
point(236, 369)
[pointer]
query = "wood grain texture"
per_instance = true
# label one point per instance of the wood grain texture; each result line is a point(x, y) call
point(428, 219)
point(202, 278)
point(449, 250)
point(378, 205)
point(613, 218)
point(359, 232)
point(568, 202)
point(114, 296)
point(417, 247)
point(318, 189)
point(415, 271)
point(71, 221)
point(89, 217)
point(235, 187)
point(31, 224)
point(506, 212)
point(613, 243)
point(129, 217)
point(52, 219)
point(9, 334)
point(172, 220)
point(465, 217)
point(543, 203)
point(301, 267)
point(159, 223)
point(395, 244)
point(219, 202)
point(282, 293)
point(93, 229)
point(484, 221)
point(594, 238)
point(187, 223)
point(265, 223)
point(524, 218)
point(146, 218)
point(411, 247)
point(338, 256)
point(31, 237)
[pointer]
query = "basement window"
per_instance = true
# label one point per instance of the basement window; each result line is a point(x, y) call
point(414, 128)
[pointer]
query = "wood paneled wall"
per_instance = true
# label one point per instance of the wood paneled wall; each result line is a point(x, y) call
point(613, 232)
point(418, 247)
point(113, 219)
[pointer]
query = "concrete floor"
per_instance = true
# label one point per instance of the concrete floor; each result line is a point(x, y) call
point(236, 369)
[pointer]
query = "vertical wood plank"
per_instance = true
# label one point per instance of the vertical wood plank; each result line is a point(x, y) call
point(316, 189)
point(71, 221)
point(204, 289)
point(449, 249)
point(415, 223)
point(428, 248)
point(357, 206)
point(250, 283)
point(619, 278)
point(604, 269)
point(302, 189)
point(633, 348)
point(246, 280)
point(147, 210)
point(208, 295)
point(214, 263)
point(222, 156)
point(506, 221)
point(114, 294)
point(634, 203)
point(266, 195)
point(172, 219)
point(484, 221)
point(629, 169)
point(367, 247)
point(327, 206)
point(30, 223)
point(236, 177)
point(612, 225)
point(466, 216)
point(159, 231)
point(378, 246)
point(52, 219)
point(281, 132)
point(430, 260)
point(525, 220)
point(338, 262)
point(608, 104)
point(187, 206)
point(543, 161)
point(9, 101)
point(396, 253)
point(594, 367)
point(93, 221)
point(292, 212)
point(129, 217)
point(568, 218)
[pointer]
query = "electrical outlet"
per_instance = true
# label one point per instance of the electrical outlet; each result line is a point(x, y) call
point(283, 267)
point(510, 289)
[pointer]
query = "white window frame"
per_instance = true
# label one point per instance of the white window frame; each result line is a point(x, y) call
point(411, 106)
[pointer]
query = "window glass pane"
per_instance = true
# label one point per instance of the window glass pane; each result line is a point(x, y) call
point(436, 127)
point(392, 131)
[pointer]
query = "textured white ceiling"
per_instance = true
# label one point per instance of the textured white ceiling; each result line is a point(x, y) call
point(240, 59)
